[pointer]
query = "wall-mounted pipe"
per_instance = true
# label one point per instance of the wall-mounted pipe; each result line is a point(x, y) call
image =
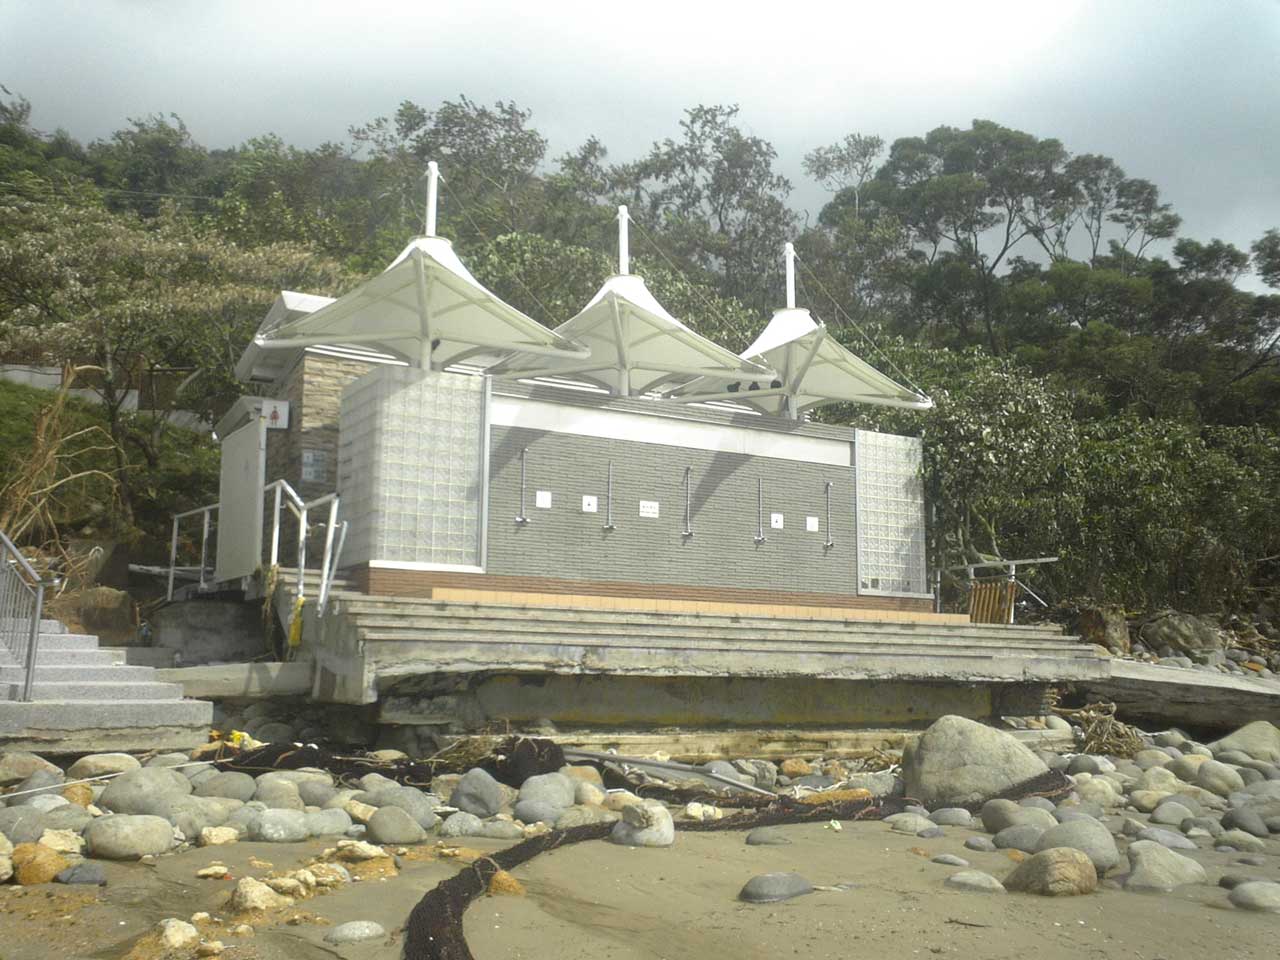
point(759, 537)
point(688, 503)
point(608, 500)
point(829, 541)
point(520, 517)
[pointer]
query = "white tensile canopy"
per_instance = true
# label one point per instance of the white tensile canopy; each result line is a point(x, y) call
point(636, 345)
point(812, 367)
point(426, 309)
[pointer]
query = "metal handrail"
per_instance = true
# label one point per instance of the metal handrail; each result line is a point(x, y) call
point(284, 496)
point(205, 511)
point(13, 611)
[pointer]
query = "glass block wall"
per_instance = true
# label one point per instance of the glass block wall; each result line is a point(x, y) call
point(890, 514)
point(410, 467)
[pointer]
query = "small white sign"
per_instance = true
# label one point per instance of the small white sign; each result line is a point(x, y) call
point(542, 499)
point(648, 508)
point(588, 504)
point(276, 413)
point(315, 466)
point(775, 521)
point(811, 524)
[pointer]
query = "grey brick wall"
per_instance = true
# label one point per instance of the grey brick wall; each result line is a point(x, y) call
point(565, 542)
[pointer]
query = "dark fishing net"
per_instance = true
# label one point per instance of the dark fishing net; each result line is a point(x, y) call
point(434, 929)
point(1052, 785)
point(512, 761)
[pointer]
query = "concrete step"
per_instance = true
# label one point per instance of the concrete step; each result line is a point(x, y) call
point(453, 613)
point(94, 673)
point(158, 657)
point(67, 641)
point(91, 726)
point(677, 645)
point(46, 626)
point(90, 690)
point(60, 658)
point(818, 632)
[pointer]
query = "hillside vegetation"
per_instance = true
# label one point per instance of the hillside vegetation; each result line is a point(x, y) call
point(1106, 388)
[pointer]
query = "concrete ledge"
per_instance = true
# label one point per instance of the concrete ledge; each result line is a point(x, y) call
point(1166, 696)
point(105, 739)
point(638, 657)
point(248, 680)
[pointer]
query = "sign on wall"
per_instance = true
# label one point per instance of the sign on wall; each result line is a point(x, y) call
point(276, 413)
point(316, 466)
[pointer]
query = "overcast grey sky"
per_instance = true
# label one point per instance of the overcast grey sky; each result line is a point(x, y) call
point(1183, 93)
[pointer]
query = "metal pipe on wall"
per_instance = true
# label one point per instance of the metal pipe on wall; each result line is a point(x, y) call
point(760, 537)
point(608, 500)
point(688, 503)
point(520, 517)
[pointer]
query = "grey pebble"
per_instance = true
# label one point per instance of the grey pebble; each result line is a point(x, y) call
point(767, 837)
point(354, 931)
point(771, 887)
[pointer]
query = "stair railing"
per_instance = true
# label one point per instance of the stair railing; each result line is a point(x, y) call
point(206, 516)
point(335, 535)
point(21, 607)
point(284, 497)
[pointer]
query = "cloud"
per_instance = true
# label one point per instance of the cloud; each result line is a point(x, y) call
point(1176, 92)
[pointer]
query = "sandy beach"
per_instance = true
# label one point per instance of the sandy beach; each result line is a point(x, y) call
point(600, 901)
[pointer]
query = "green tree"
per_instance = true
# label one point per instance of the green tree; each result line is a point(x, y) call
point(717, 201)
point(81, 284)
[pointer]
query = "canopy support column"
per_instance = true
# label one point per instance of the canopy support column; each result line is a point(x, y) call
point(424, 310)
point(797, 378)
point(624, 358)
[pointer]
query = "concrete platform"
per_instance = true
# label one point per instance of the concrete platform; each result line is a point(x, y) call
point(1161, 696)
point(229, 681)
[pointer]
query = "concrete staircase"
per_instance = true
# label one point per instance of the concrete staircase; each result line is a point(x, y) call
point(367, 643)
point(84, 700)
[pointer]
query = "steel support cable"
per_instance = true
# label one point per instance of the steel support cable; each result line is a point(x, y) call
point(862, 333)
point(681, 273)
point(476, 227)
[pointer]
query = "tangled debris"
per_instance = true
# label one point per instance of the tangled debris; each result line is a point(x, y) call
point(1103, 733)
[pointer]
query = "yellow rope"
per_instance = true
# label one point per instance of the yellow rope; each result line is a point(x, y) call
point(295, 624)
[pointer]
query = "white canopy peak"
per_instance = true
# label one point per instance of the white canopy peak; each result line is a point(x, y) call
point(789, 255)
point(433, 185)
point(624, 241)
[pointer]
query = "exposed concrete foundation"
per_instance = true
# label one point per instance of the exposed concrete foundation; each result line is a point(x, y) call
point(617, 701)
point(204, 631)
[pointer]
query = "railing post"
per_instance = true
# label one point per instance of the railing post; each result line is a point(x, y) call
point(204, 544)
point(328, 553)
point(34, 642)
point(173, 556)
point(1013, 593)
point(302, 548)
point(275, 526)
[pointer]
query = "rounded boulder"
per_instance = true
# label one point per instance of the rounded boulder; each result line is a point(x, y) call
point(128, 836)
